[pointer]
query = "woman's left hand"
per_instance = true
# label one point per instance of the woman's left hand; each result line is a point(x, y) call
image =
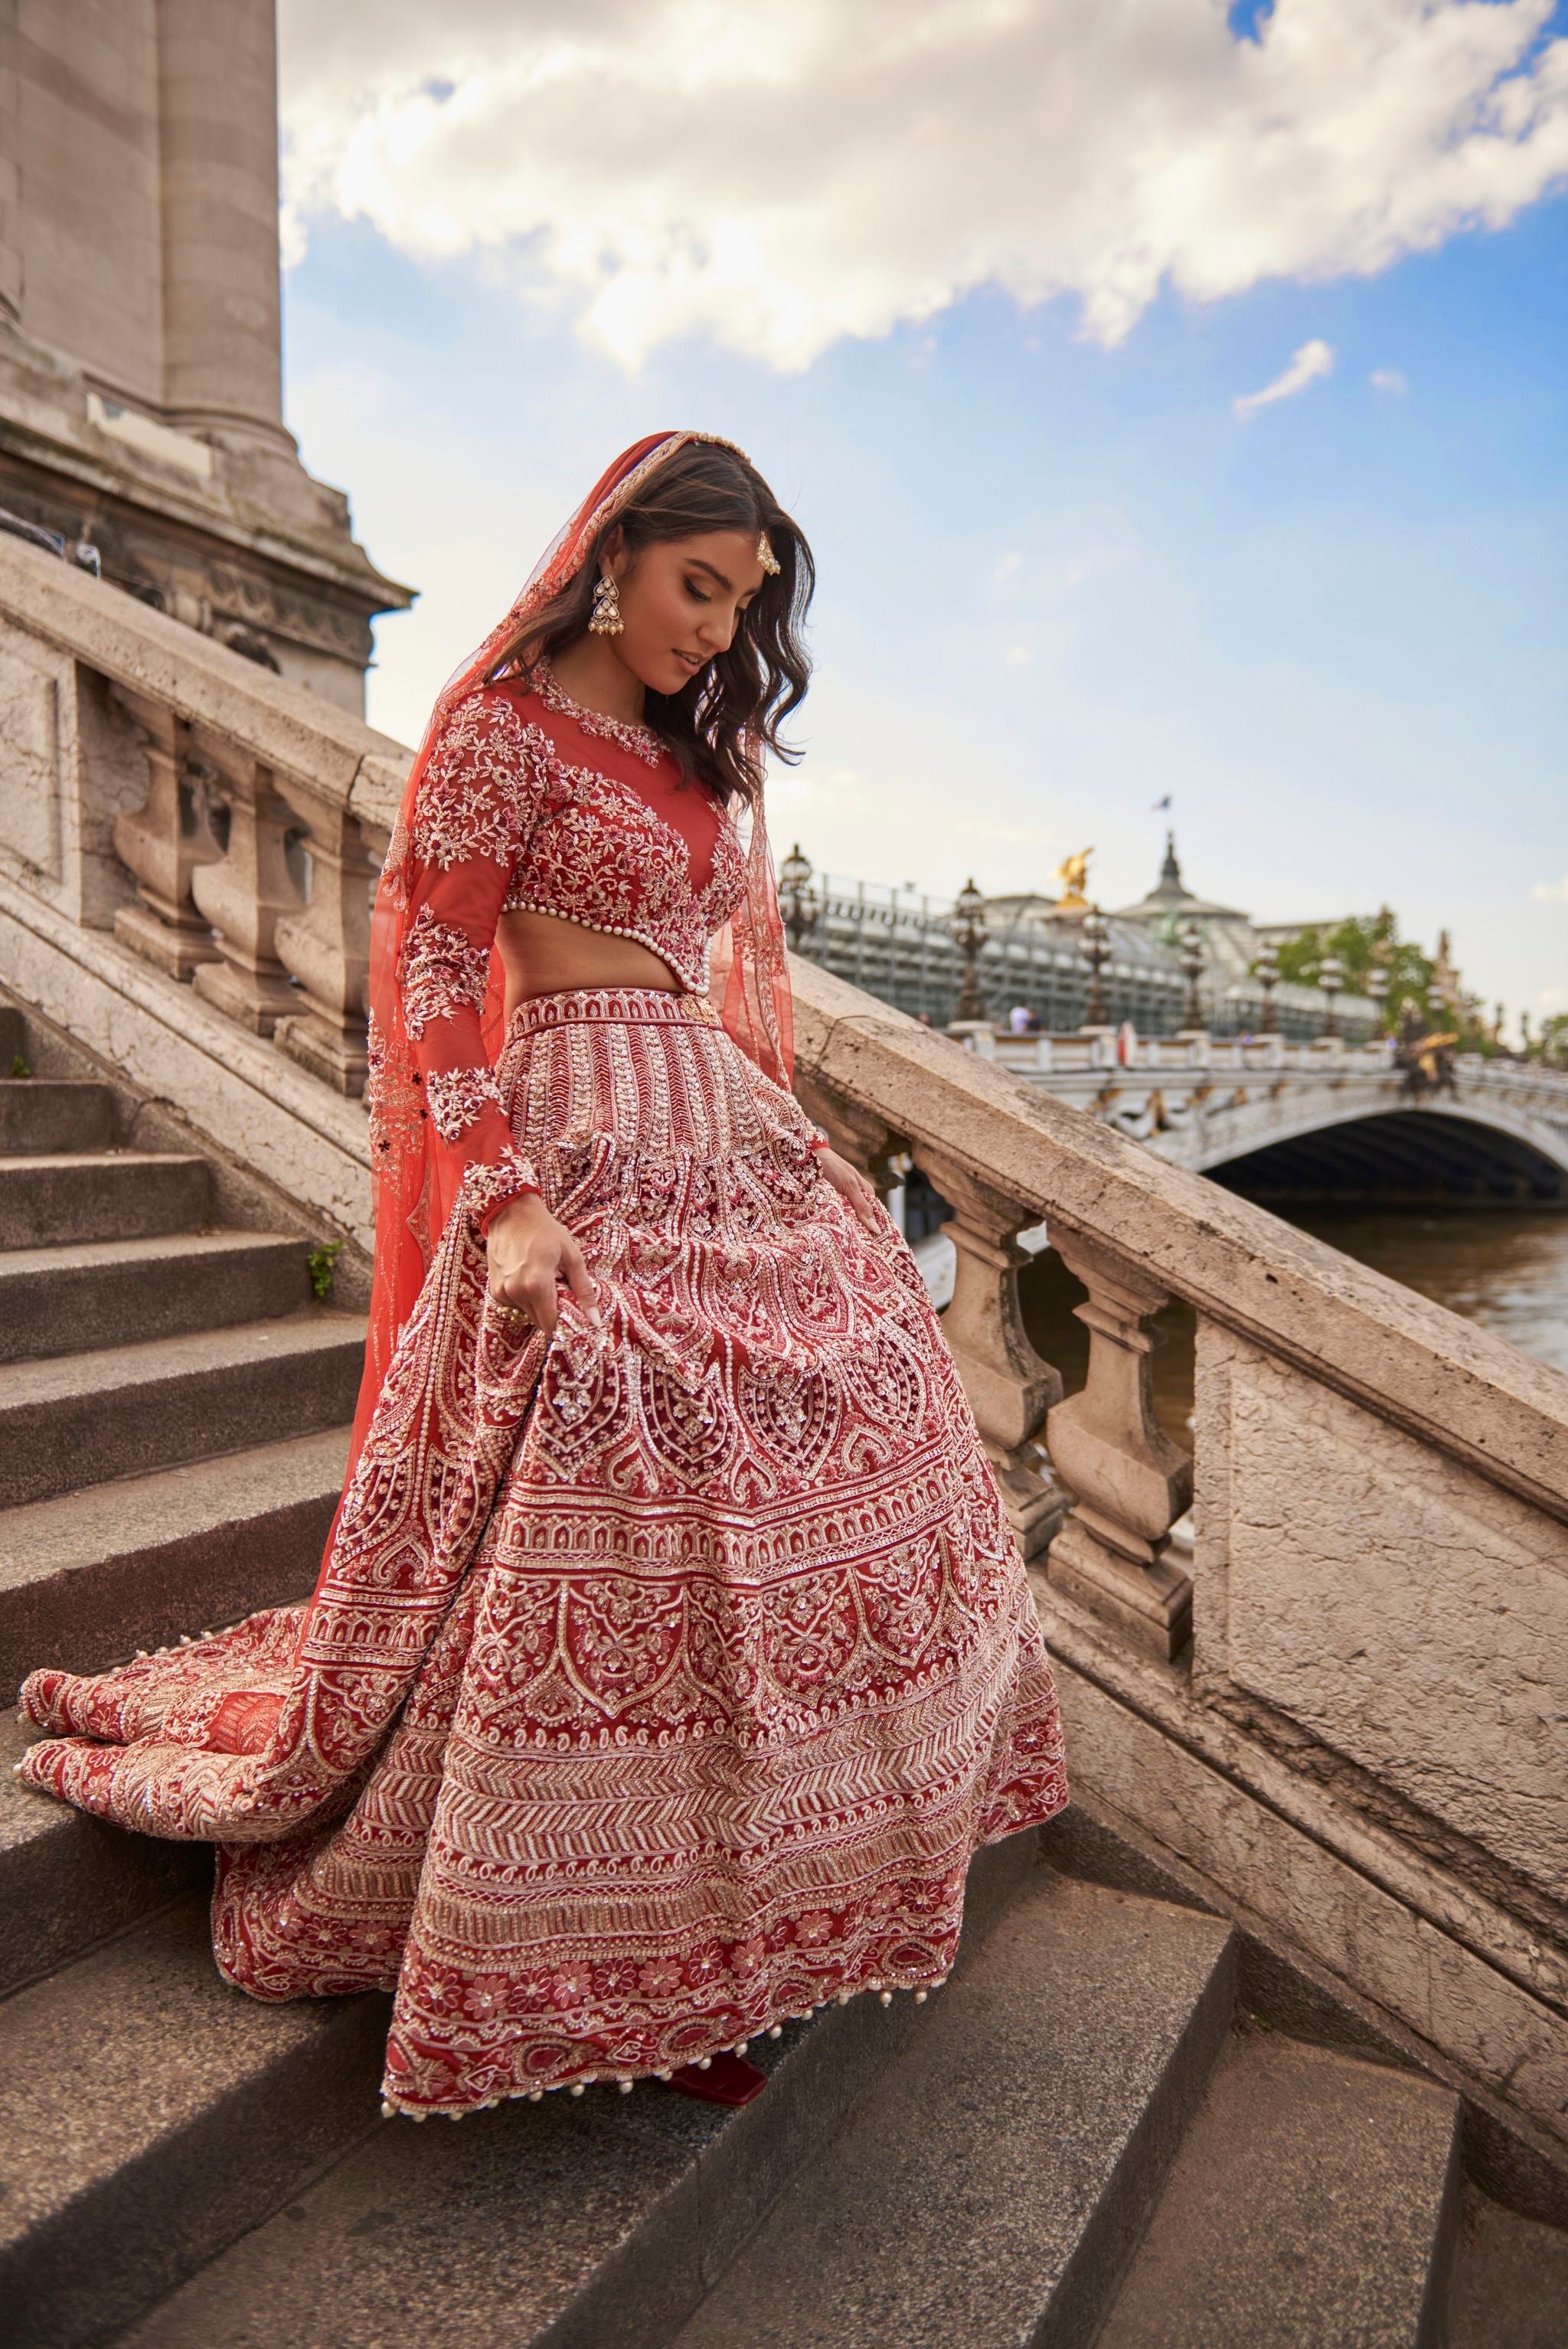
point(850, 1184)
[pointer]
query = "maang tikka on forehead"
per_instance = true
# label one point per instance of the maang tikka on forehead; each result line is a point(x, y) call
point(765, 554)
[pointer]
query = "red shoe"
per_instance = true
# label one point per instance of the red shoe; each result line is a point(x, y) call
point(729, 2079)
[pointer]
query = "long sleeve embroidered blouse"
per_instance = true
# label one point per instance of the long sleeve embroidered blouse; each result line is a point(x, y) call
point(529, 802)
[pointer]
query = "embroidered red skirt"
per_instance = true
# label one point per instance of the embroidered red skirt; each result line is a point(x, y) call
point(661, 1681)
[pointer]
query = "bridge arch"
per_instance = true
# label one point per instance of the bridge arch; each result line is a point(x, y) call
point(1460, 1154)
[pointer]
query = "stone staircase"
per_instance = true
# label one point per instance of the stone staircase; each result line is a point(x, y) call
point(1086, 2136)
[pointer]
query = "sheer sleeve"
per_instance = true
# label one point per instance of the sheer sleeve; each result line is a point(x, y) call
point(477, 804)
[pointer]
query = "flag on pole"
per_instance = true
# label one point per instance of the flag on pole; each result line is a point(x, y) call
point(1161, 807)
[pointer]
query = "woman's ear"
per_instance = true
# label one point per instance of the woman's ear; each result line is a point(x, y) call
point(615, 555)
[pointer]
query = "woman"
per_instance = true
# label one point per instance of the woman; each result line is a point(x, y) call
point(671, 1654)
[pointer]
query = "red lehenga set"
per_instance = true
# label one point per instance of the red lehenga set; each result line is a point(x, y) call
point(661, 1680)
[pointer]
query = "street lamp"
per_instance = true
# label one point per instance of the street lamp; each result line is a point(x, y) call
point(1331, 978)
point(1191, 971)
point(1265, 970)
point(1094, 945)
point(797, 898)
point(1376, 987)
point(969, 923)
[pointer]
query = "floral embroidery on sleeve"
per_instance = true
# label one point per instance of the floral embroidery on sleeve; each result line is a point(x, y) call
point(458, 1098)
point(481, 787)
point(487, 1187)
point(444, 972)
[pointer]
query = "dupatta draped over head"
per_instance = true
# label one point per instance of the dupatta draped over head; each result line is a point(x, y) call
point(414, 1181)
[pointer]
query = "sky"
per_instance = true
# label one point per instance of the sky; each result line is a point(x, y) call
point(1175, 396)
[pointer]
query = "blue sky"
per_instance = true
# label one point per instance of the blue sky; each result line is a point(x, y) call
point(1060, 575)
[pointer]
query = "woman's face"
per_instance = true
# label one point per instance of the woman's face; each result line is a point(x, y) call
point(681, 601)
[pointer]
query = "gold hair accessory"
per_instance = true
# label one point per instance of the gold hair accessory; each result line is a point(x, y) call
point(765, 554)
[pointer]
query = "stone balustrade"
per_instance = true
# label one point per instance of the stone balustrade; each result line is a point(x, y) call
point(1337, 1715)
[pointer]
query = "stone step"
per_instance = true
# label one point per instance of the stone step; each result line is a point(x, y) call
point(67, 1882)
point(149, 2113)
point(59, 1197)
point(1510, 2288)
point(1315, 2200)
point(129, 1410)
point(88, 1578)
point(579, 2221)
point(52, 1114)
point(71, 1300)
point(989, 2190)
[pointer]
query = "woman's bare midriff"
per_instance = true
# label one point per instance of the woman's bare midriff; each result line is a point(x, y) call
point(542, 955)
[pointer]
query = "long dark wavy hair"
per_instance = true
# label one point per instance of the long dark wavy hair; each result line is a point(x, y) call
point(716, 725)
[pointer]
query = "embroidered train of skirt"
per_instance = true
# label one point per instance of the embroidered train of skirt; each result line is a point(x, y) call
point(660, 1682)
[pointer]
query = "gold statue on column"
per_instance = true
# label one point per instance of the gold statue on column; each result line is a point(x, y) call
point(1073, 874)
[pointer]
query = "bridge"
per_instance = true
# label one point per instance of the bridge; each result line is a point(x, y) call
point(1287, 1122)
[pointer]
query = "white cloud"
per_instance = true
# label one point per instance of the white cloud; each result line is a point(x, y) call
point(1389, 379)
point(1557, 889)
point(776, 178)
point(1313, 360)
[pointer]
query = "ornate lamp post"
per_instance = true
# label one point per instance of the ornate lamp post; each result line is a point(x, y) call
point(968, 921)
point(797, 898)
point(1377, 988)
point(1191, 943)
point(1094, 945)
point(1265, 970)
point(1331, 978)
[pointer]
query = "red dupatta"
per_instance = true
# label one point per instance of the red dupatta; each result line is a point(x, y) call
point(414, 1182)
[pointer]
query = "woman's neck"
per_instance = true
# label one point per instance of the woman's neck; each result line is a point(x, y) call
point(594, 674)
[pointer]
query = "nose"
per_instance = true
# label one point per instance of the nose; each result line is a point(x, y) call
point(717, 630)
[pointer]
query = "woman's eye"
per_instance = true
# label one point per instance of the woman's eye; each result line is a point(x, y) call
point(695, 592)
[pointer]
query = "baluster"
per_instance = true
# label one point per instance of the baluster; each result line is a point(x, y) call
point(858, 1135)
point(326, 946)
point(246, 895)
point(1010, 1389)
point(164, 843)
point(1131, 1482)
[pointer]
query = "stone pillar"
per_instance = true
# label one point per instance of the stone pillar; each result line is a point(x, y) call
point(217, 65)
point(164, 844)
point(1010, 1389)
point(246, 893)
point(326, 946)
point(10, 195)
point(1132, 1483)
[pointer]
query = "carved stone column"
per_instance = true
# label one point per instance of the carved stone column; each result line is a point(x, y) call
point(164, 843)
point(1131, 1482)
point(327, 946)
point(1010, 1389)
point(246, 895)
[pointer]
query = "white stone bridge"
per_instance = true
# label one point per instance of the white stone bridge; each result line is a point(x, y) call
point(1296, 1122)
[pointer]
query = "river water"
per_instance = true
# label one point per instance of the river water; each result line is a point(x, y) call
point(1504, 1267)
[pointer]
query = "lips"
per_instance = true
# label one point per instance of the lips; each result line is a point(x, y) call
point(690, 663)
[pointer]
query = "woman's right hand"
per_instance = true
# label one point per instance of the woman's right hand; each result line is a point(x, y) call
point(528, 1254)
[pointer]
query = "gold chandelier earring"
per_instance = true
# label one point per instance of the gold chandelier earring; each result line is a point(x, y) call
point(605, 620)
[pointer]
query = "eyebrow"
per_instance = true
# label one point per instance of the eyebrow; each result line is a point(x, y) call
point(697, 564)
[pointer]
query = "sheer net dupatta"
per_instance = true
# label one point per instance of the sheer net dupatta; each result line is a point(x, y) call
point(748, 969)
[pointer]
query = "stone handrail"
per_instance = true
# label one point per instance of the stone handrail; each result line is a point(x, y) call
point(1339, 1715)
point(226, 748)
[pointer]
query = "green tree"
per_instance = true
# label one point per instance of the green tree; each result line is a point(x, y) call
point(1359, 942)
point(1551, 1041)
